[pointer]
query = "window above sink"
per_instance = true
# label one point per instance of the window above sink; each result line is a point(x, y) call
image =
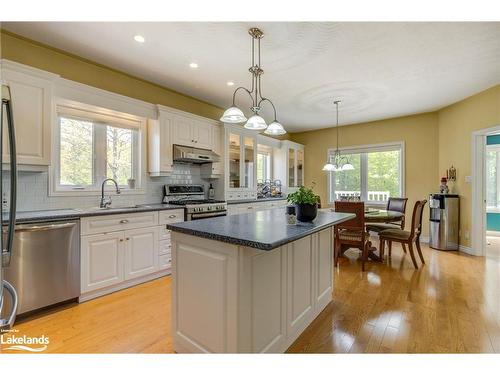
point(92, 144)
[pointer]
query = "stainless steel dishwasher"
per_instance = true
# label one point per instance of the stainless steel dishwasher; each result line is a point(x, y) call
point(45, 264)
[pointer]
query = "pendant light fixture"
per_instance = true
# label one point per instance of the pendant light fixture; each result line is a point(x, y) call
point(234, 115)
point(337, 162)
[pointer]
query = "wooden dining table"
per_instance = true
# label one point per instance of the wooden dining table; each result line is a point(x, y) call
point(380, 216)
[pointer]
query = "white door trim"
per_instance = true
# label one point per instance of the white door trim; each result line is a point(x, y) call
point(478, 220)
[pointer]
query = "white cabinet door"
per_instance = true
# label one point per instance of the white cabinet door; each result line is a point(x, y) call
point(202, 135)
point(182, 132)
point(166, 124)
point(217, 168)
point(102, 260)
point(300, 285)
point(141, 252)
point(32, 111)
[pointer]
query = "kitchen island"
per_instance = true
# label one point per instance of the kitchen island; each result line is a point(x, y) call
point(249, 283)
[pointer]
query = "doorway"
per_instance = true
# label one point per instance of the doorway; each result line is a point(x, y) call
point(492, 195)
point(486, 192)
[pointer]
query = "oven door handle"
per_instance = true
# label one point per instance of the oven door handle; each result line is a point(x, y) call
point(208, 214)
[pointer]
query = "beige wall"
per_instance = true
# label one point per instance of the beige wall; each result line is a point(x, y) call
point(75, 68)
point(456, 124)
point(419, 133)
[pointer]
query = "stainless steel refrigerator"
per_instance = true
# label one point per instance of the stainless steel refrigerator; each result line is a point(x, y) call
point(8, 213)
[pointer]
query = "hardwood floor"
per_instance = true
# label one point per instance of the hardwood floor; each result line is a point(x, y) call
point(451, 305)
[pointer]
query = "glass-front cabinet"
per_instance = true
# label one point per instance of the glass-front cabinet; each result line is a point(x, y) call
point(249, 162)
point(300, 167)
point(289, 165)
point(234, 155)
point(241, 149)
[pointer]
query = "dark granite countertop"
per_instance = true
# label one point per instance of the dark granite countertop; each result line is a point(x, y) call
point(256, 200)
point(264, 230)
point(76, 213)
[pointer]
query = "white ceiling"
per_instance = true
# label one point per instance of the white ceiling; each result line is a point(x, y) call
point(378, 70)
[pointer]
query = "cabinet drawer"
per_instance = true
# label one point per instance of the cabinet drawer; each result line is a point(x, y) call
point(165, 261)
point(171, 216)
point(163, 233)
point(111, 223)
point(165, 247)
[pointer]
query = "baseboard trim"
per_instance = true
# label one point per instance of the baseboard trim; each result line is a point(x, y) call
point(124, 285)
point(465, 249)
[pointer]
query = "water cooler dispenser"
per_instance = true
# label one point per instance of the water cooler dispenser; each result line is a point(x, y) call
point(444, 221)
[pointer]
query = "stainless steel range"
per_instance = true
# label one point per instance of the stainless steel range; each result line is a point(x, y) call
point(192, 198)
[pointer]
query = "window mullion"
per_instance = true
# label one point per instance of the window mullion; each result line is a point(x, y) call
point(364, 177)
point(100, 147)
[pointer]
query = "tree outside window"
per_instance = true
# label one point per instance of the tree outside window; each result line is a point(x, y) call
point(91, 151)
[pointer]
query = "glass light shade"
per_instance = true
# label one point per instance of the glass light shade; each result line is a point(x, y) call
point(329, 167)
point(255, 123)
point(275, 128)
point(348, 167)
point(233, 115)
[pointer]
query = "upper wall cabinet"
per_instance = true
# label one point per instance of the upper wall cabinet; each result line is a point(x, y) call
point(175, 127)
point(240, 157)
point(187, 131)
point(31, 96)
point(289, 165)
point(160, 144)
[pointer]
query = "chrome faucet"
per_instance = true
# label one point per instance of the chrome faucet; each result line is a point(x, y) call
point(106, 201)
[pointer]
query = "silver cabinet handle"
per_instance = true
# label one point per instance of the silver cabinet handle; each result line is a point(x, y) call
point(172, 216)
point(250, 208)
point(37, 228)
point(124, 221)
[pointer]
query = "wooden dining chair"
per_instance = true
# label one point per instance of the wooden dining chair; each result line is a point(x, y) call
point(393, 204)
point(404, 236)
point(351, 233)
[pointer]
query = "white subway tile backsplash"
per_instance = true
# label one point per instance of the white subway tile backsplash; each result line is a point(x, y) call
point(33, 190)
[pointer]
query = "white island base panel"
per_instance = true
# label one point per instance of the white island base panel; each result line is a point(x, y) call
point(235, 299)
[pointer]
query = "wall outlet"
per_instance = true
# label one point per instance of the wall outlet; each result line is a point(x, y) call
point(466, 234)
point(468, 179)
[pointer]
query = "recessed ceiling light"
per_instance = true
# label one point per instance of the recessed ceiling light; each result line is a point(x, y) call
point(230, 83)
point(139, 38)
point(193, 65)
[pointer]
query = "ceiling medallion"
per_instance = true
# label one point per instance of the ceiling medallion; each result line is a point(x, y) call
point(234, 115)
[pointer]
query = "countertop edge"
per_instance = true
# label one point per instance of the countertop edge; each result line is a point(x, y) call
point(254, 244)
point(52, 215)
point(243, 201)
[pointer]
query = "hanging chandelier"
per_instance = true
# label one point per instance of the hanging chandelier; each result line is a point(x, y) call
point(234, 115)
point(337, 162)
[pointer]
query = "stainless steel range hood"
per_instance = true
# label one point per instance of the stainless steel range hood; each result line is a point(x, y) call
point(185, 154)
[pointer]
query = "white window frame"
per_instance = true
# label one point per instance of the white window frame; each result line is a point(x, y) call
point(65, 108)
point(363, 149)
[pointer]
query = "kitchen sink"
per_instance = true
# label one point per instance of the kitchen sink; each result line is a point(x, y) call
point(111, 208)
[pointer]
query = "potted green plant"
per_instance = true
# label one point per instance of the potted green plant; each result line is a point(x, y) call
point(306, 203)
